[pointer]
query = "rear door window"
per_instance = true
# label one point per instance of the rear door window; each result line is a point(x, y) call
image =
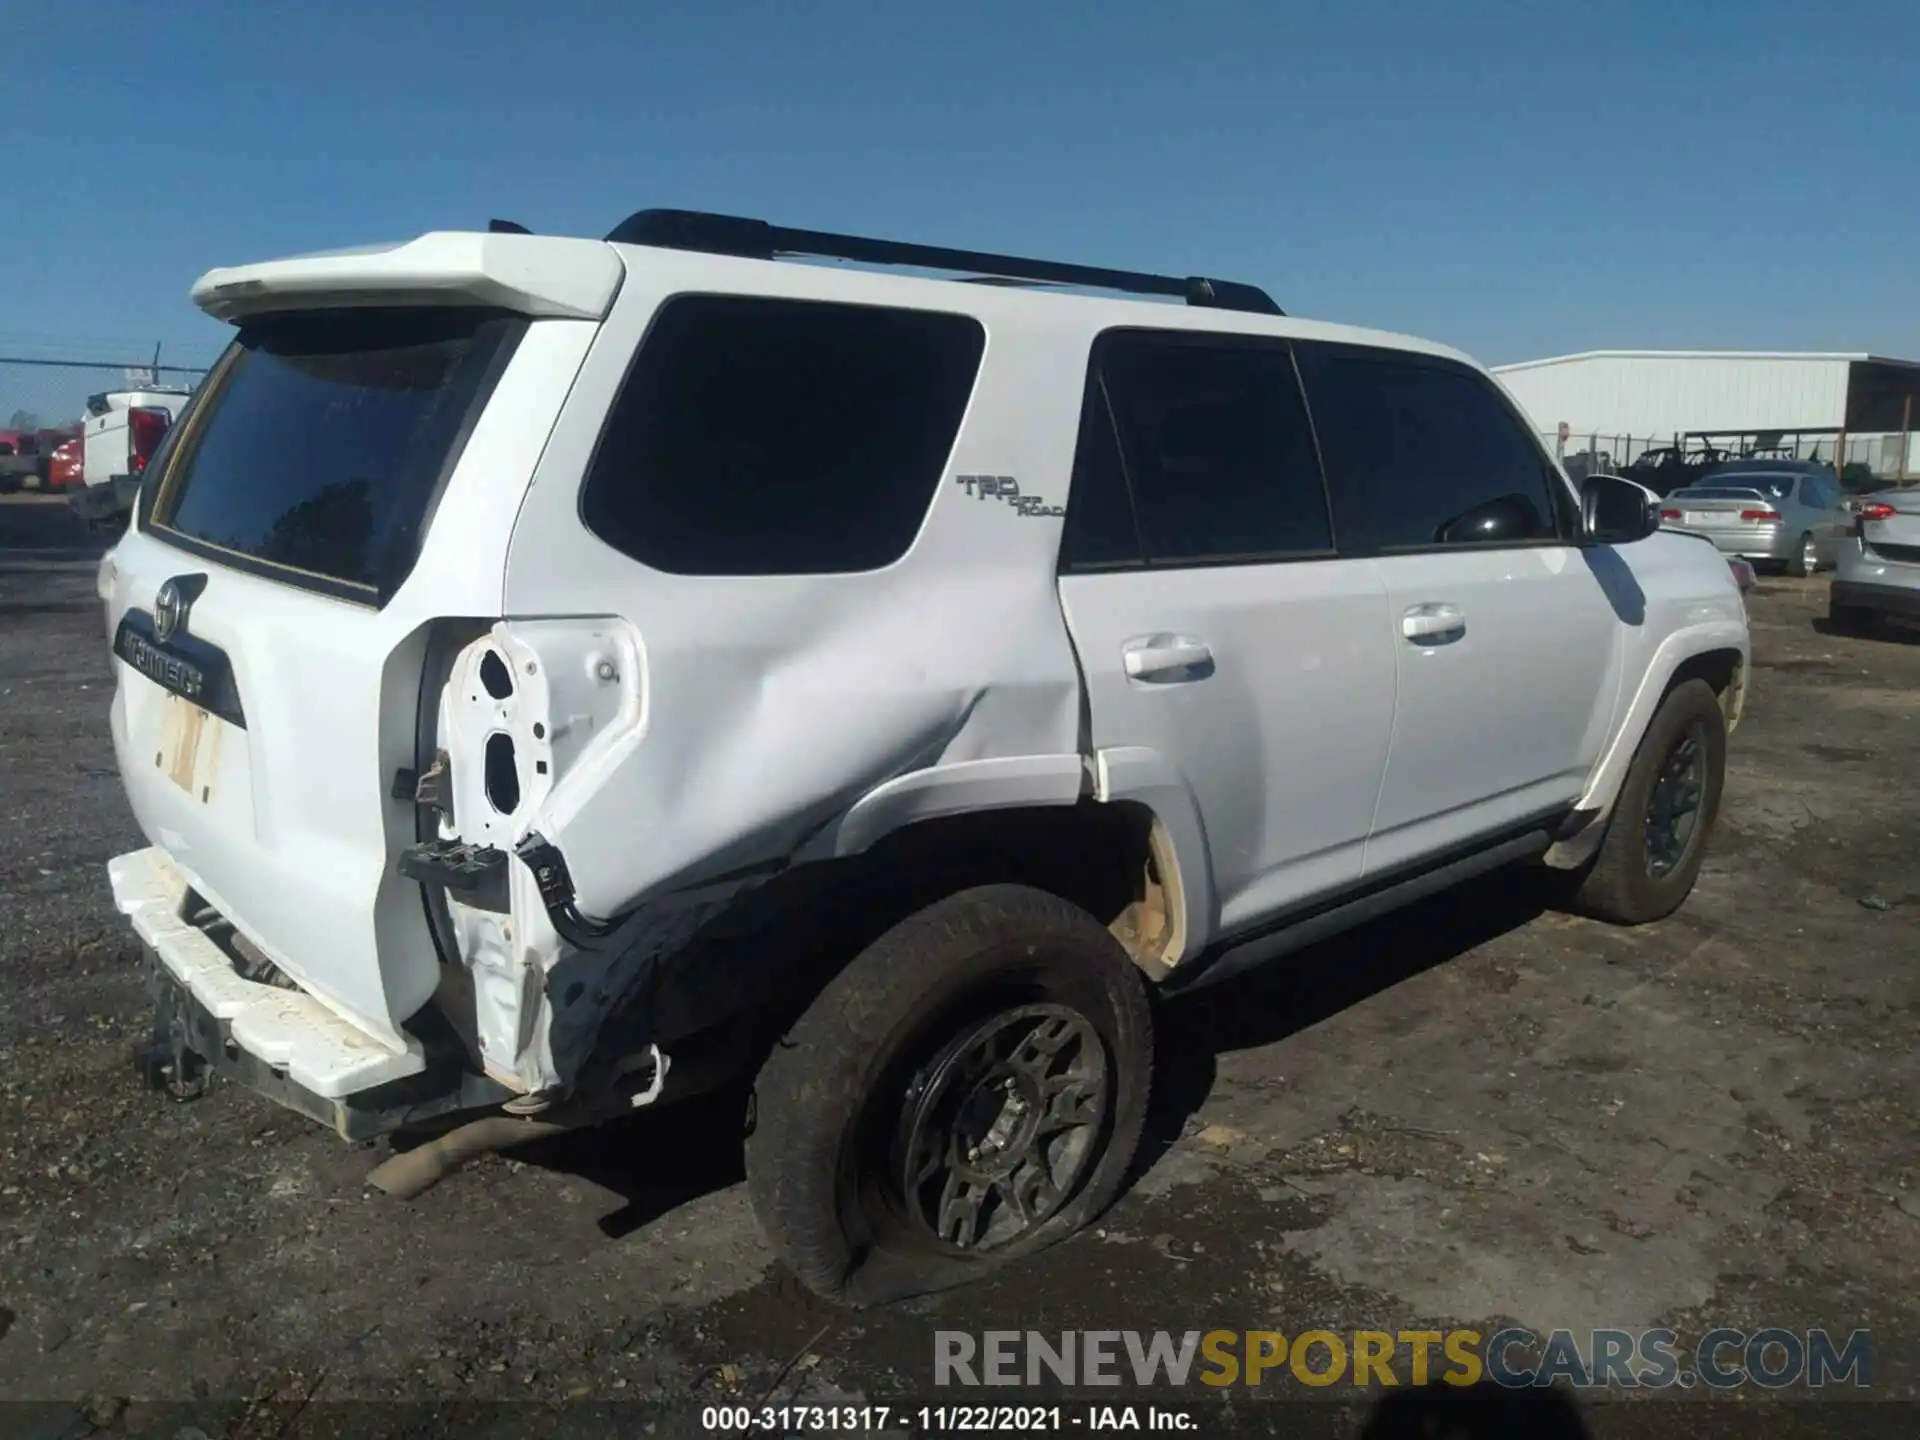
point(1195, 450)
point(321, 441)
point(759, 436)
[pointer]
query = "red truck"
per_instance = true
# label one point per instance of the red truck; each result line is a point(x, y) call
point(26, 456)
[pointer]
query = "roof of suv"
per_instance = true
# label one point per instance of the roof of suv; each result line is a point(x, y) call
point(571, 277)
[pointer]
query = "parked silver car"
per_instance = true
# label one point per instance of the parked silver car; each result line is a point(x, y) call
point(1878, 572)
point(1782, 514)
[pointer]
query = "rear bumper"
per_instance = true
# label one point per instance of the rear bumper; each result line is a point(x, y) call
point(1881, 599)
point(107, 499)
point(1767, 544)
point(288, 1030)
point(280, 1043)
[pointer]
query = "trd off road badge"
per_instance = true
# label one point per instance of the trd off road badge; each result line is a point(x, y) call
point(1005, 487)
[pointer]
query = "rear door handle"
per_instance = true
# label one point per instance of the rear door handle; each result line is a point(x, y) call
point(1168, 657)
point(1433, 624)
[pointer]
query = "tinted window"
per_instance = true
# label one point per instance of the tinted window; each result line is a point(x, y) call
point(1731, 483)
point(765, 437)
point(324, 438)
point(1438, 456)
point(1100, 527)
point(1215, 449)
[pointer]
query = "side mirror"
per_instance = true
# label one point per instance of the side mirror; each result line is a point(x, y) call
point(1616, 511)
point(1505, 518)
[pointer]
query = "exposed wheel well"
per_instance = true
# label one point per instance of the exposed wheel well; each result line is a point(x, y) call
point(1725, 673)
point(781, 943)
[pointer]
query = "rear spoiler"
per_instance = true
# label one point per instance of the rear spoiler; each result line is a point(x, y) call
point(538, 275)
point(1733, 492)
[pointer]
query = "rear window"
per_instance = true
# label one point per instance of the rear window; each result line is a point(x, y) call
point(1745, 489)
point(323, 440)
point(780, 437)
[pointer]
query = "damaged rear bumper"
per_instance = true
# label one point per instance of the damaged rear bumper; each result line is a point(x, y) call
point(182, 1022)
point(98, 503)
point(279, 1042)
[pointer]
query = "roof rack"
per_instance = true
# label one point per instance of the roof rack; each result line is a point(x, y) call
point(757, 240)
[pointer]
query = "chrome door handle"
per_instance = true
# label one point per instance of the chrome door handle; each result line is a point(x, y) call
point(1433, 624)
point(1167, 657)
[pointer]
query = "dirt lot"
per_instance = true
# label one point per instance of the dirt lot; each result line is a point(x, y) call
point(1469, 1113)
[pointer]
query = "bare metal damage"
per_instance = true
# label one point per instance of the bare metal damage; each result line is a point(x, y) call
point(659, 833)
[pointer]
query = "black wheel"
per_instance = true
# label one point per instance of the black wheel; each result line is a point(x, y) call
point(1657, 836)
point(1806, 558)
point(968, 1091)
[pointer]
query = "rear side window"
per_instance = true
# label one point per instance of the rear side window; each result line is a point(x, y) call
point(1432, 450)
point(760, 436)
point(1194, 452)
point(322, 440)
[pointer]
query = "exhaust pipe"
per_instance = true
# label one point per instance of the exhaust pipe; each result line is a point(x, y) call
point(418, 1170)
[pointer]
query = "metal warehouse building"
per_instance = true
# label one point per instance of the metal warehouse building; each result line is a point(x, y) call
point(1625, 402)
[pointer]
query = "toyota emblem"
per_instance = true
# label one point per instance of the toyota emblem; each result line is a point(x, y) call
point(169, 610)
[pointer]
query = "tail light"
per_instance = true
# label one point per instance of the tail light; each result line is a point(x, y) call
point(1866, 510)
point(146, 427)
point(1759, 514)
point(1669, 514)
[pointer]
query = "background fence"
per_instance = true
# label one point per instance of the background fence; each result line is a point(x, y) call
point(47, 392)
point(1869, 460)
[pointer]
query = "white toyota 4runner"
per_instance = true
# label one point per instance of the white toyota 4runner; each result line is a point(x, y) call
point(557, 675)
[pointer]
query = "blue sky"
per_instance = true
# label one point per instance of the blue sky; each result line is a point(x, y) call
point(1517, 179)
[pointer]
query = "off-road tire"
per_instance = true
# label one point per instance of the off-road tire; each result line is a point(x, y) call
point(1618, 885)
point(827, 1089)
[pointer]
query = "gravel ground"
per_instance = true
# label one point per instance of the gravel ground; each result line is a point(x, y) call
point(1468, 1114)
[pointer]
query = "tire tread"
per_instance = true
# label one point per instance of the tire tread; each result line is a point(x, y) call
point(818, 1072)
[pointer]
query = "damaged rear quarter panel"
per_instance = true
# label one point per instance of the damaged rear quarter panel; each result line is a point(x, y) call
point(772, 704)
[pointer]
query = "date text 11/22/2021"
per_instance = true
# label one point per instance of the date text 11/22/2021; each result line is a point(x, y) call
point(941, 1419)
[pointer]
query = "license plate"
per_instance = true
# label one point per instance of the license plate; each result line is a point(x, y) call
point(1697, 517)
point(188, 747)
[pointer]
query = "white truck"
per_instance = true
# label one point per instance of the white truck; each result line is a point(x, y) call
point(123, 432)
point(551, 673)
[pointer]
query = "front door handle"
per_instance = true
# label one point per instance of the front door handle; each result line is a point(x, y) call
point(1168, 657)
point(1433, 624)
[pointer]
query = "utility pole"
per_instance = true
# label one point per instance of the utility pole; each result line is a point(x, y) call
point(1906, 432)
